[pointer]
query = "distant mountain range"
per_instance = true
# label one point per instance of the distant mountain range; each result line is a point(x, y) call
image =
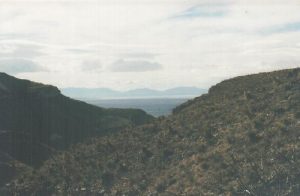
point(106, 93)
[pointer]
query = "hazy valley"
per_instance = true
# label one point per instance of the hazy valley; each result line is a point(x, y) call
point(156, 106)
point(155, 102)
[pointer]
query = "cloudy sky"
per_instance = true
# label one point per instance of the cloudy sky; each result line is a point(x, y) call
point(127, 44)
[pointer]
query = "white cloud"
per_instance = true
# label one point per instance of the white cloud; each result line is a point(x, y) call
point(16, 66)
point(91, 65)
point(210, 41)
point(122, 65)
point(12, 50)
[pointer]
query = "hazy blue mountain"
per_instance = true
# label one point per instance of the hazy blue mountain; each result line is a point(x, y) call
point(142, 92)
point(105, 93)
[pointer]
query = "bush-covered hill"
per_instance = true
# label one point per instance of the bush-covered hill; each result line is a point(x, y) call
point(242, 138)
point(36, 119)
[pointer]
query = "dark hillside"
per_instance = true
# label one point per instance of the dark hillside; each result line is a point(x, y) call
point(242, 138)
point(36, 119)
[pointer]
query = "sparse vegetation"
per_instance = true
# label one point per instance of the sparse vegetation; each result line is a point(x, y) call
point(242, 138)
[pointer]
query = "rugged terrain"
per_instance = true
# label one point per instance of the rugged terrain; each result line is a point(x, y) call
point(242, 138)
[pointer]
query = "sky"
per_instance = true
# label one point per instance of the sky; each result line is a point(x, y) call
point(159, 44)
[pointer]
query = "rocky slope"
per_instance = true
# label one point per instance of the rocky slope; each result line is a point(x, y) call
point(242, 138)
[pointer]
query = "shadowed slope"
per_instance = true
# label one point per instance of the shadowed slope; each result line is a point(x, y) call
point(36, 119)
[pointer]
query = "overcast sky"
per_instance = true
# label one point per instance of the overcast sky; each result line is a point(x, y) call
point(127, 44)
